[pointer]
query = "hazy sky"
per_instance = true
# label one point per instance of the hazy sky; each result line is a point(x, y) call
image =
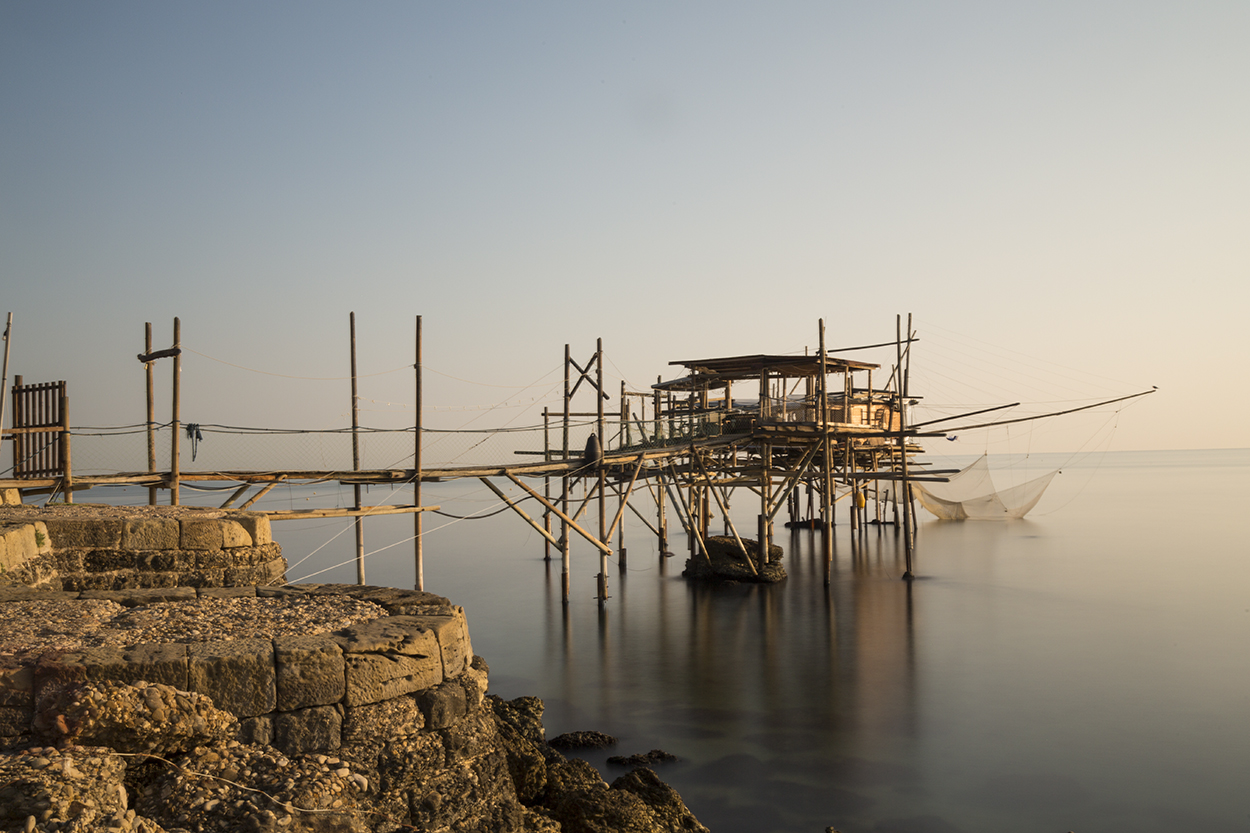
point(1059, 192)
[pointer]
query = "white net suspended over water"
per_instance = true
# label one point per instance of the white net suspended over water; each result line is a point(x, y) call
point(971, 495)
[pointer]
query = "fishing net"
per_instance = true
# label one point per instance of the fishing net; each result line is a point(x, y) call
point(970, 495)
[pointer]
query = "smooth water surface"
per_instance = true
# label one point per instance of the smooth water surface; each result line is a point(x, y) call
point(1085, 669)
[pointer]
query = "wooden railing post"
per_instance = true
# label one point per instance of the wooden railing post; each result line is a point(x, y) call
point(67, 479)
point(176, 426)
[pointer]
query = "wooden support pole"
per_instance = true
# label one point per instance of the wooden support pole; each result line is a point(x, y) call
point(266, 489)
point(176, 425)
point(790, 484)
point(359, 522)
point(603, 496)
point(19, 440)
point(624, 499)
point(235, 495)
point(902, 446)
point(418, 542)
point(766, 479)
point(546, 481)
point(692, 529)
point(762, 524)
point(661, 523)
point(66, 457)
point(654, 530)
point(826, 499)
point(149, 372)
point(565, 543)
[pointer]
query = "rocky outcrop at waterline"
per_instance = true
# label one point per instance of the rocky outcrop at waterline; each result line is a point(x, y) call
point(725, 561)
point(129, 702)
point(378, 727)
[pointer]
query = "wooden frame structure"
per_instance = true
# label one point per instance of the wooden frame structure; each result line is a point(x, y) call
point(773, 425)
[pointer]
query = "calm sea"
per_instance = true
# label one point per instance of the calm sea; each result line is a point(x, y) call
point(1085, 669)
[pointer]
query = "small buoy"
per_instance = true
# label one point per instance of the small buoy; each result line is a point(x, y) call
point(593, 455)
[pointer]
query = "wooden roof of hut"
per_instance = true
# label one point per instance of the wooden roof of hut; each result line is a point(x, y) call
point(715, 373)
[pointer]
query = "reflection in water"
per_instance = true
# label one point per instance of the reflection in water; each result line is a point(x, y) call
point(770, 694)
point(1081, 670)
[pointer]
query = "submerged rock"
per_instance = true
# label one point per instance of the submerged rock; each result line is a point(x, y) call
point(655, 756)
point(583, 740)
point(725, 561)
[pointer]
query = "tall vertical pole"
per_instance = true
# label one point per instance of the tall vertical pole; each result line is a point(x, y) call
point(66, 459)
point(826, 500)
point(418, 542)
point(661, 524)
point(176, 423)
point(766, 479)
point(19, 447)
point(902, 444)
point(546, 481)
point(360, 529)
point(603, 498)
point(620, 490)
point(911, 495)
point(564, 497)
point(149, 370)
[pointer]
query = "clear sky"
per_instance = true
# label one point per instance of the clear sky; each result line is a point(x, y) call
point(1058, 191)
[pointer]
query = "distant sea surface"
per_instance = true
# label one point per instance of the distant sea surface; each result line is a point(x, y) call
point(1085, 669)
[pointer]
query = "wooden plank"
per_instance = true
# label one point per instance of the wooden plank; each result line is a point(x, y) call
point(367, 511)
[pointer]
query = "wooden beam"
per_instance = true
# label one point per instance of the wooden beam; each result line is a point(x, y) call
point(368, 511)
point(263, 491)
point(238, 493)
point(621, 509)
point(562, 516)
point(515, 508)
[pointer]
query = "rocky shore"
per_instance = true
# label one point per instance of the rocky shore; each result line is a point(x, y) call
point(157, 674)
point(315, 708)
point(116, 766)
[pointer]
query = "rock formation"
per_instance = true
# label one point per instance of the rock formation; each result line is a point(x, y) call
point(725, 561)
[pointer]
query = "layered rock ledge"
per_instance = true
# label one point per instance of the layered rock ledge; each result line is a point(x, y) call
point(98, 547)
point(379, 724)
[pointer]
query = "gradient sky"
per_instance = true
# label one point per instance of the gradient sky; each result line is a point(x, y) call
point(1059, 192)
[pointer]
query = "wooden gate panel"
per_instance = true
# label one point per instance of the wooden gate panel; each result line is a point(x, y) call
point(38, 430)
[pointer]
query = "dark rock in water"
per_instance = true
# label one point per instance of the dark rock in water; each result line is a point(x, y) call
point(655, 756)
point(583, 740)
point(636, 803)
point(668, 811)
point(725, 561)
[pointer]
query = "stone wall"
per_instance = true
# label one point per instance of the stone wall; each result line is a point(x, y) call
point(89, 547)
point(296, 693)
